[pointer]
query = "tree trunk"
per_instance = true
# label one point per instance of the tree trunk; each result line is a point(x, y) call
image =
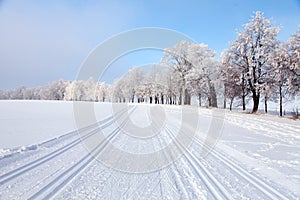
point(209, 101)
point(187, 97)
point(180, 102)
point(244, 101)
point(231, 102)
point(213, 95)
point(244, 94)
point(199, 98)
point(266, 104)
point(280, 101)
point(224, 101)
point(255, 102)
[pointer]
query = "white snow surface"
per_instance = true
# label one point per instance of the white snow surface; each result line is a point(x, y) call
point(29, 122)
point(42, 155)
point(25, 122)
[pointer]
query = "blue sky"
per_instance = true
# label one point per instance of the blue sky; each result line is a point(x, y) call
point(41, 41)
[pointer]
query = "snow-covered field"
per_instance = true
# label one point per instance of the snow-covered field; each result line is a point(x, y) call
point(147, 152)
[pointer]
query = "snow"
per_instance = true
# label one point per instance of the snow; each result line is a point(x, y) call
point(254, 156)
point(26, 122)
point(30, 122)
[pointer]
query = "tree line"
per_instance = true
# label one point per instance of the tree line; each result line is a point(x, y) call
point(256, 66)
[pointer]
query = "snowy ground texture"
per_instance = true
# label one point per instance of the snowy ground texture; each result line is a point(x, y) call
point(42, 155)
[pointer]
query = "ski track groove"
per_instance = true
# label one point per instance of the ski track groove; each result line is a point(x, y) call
point(178, 182)
point(141, 186)
point(219, 192)
point(87, 159)
point(175, 174)
point(259, 184)
point(256, 182)
point(36, 163)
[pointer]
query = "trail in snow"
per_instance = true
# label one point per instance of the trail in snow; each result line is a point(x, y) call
point(238, 166)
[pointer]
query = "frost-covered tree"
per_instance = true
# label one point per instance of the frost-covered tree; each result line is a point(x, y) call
point(81, 90)
point(177, 58)
point(284, 77)
point(234, 65)
point(293, 46)
point(54, 91)
point(159, 76)
point(141, 93)
point(17, 93)
point(279, 73)
point(118, 94)
point(90, 89)
point(172, 88)
point(69, 93)
point(4, 94)
point(194, 67)
point(132, 80)
point(253, 48)
point(233, 78)
point(102, 92)
point(203, 73)
point(146, 88)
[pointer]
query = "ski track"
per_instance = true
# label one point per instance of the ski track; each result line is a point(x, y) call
point(259, 184)
point(68, 171)
point(35, 163)
point(43, 161)
point(63, 179)
point(214, 187)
